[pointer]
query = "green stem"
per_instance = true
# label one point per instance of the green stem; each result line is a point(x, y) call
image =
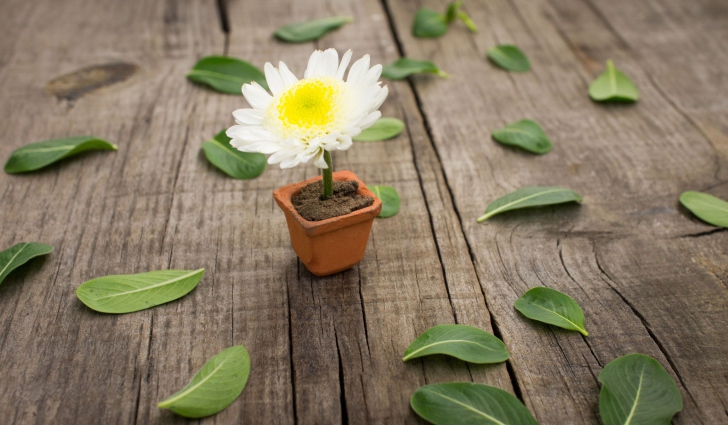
point(328, 174)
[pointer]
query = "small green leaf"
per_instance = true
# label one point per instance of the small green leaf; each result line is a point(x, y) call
point(467, 21)
point(613, 86)
point(19, 254)
point(390, 200)
point(509, 57)
point(134, 292)
point(454, 12)
point(531, 196)
point(553, 307)
point(636, 390)
point(466, 403)
point(38, 155)
point(429, 24)
point(525, 134)
point(226, 75)
point(706, 207)
point(382, 129)
point(463, 342)
point(311, 30)
point(234, 163)
point(404, 67)
point(220, 381)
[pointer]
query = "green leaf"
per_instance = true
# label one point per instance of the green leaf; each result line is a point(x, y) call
point(226, 75)
point(311, 30)
point(404, 67)
point(429, 24)
point(466, 403)
point(390, 200)
point(509, 57)
point(134, 292)
point(453, 12)
point(636, 390)
point(382, 129)
point(553, 307)
point(525, 134)
point(467, 21)
point(531, 196)
point(214, 387)
point(463, 342)
point(19, 254)
point(234, 163)
point(706, 207)
point(38, 155)
point(613, 86)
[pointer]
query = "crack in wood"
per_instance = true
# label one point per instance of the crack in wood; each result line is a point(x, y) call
point(290, 341)
point(342, 386)
point(363, 311)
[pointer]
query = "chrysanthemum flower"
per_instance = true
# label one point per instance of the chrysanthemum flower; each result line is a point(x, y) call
point(304, 118)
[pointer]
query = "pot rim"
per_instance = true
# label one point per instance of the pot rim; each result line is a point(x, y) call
point(283, 196)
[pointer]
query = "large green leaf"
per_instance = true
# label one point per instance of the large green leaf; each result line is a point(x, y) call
point(466, 403)
point(390, 200)
point(19, 254)
point(234, 163)
point(636, 390)
point(428, 23)
point(404, 67)
point(526, 134)
point(134, 292)
point(531, 196)
point(553, 307)
point(38, 155)
point(312, 30)
point(382, 129)
point(706, 207)
point(463, 342)
point(613, 86)
point(509, 57)
point(226, 75)
point(214, 387)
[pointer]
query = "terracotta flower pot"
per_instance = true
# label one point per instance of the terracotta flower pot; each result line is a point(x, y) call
point(329, 246)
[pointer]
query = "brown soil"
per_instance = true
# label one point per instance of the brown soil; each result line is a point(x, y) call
point(309, 205)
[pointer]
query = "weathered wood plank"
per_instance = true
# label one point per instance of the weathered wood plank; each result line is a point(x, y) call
point(105, 213)
point(348, 332)
point(630, 163)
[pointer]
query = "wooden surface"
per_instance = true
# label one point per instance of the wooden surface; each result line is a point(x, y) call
point(650, 277)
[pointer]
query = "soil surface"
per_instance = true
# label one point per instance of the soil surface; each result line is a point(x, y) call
point(310, 206)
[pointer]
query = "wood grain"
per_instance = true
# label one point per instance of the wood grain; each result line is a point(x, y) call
point(623, 255)
point(650, 277)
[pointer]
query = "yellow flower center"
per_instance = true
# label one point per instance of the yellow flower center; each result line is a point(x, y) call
point(309, 108)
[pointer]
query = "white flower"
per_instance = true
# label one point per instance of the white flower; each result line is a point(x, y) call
point(305, 117)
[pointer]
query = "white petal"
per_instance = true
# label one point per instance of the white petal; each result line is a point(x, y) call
point(313, 64)
point(275, 83)
point(359, 70)
point(248, 116)
point(320, 161)
point(286, 75)
point(256, 95)
point(369, 120)
point(344, 63)
point(373, 74)
point(329, 64)
point(381, 96)
point(344, 142)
